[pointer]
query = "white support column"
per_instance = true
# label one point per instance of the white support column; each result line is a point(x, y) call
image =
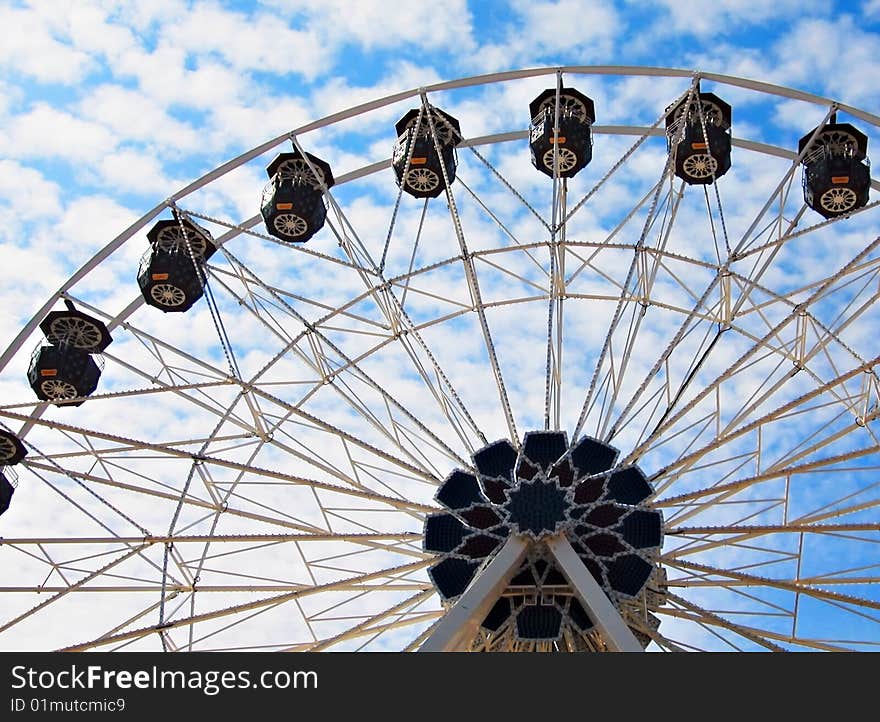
point(608, 620)
point(459, 625)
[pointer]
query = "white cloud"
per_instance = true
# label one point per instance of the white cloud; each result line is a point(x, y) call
point(83, 220)
point(143, 16)
point(91, 30)
point(136, 172)
point(27, 193)
point(136, 117)
point(337, 93)
point(844, 45)
point(163, 75)
point(563, 32)
point(46, 132)
point(246, 124)
point(248, 42)
point(30, 47)
point(564, 25)
point(371, 25)
point(685, 19)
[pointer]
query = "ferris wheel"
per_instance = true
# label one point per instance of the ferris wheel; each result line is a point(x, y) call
point(469, 368)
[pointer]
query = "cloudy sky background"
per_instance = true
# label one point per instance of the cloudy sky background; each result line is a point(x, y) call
point(107, 108)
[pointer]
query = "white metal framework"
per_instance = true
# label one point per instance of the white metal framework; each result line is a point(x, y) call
point(255, 474)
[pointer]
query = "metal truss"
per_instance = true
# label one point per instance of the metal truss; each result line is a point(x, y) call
point(268, 489)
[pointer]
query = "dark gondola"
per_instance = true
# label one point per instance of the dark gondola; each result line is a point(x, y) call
point(12, 451)
point(698, 133)
point(172, 273)
point(837, 173)
point(293, 200)
point(65, 369)
point(572, 147)
point(8, 483)
point(418, 166)
point(61, 373)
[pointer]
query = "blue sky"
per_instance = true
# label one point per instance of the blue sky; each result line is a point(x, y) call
point(108, 107)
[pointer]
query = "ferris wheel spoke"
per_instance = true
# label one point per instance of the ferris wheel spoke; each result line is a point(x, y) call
point(246, 227)
point(702, 501)
point(555, 324)
point(161, 452)
point(828, 511)
point(642, 135)
point(854, 402)
point(344, 457)
point(849, 502)
point(711, 319)
point(401, 326)
point(794, 235)
point(742, 364)
point(324, 427)
point(646, 277)
point(180, 389)
point(790, 410)
point(783, 231)
point(168, 357)
point(682, 511)
point(506, 183)
point(473, 286)
point(404, 619)
point(710, 575)
point(767, 639)
point(421, 618)
point(277, 599)
point(332, 363)
point(728, 307)
point(747, 532)
point(507, 232)
point(231, 441)
point(368, 626)
point(175, 497)
point(780, 193)
point(415, 250)
point(59, 595)
point(180, 380)
point(607, 374)
point(416, 469)
point(219, 580)
point(265, 538)
point(792, 495)
point(696, 540)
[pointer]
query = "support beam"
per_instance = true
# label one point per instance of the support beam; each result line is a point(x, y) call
point(459, 625)
point(614, 631)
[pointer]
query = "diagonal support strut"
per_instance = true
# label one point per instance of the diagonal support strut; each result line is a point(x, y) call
point(460, 623)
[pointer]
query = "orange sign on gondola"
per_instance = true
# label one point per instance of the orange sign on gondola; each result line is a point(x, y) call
point(159, 276)
point(48, 372)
